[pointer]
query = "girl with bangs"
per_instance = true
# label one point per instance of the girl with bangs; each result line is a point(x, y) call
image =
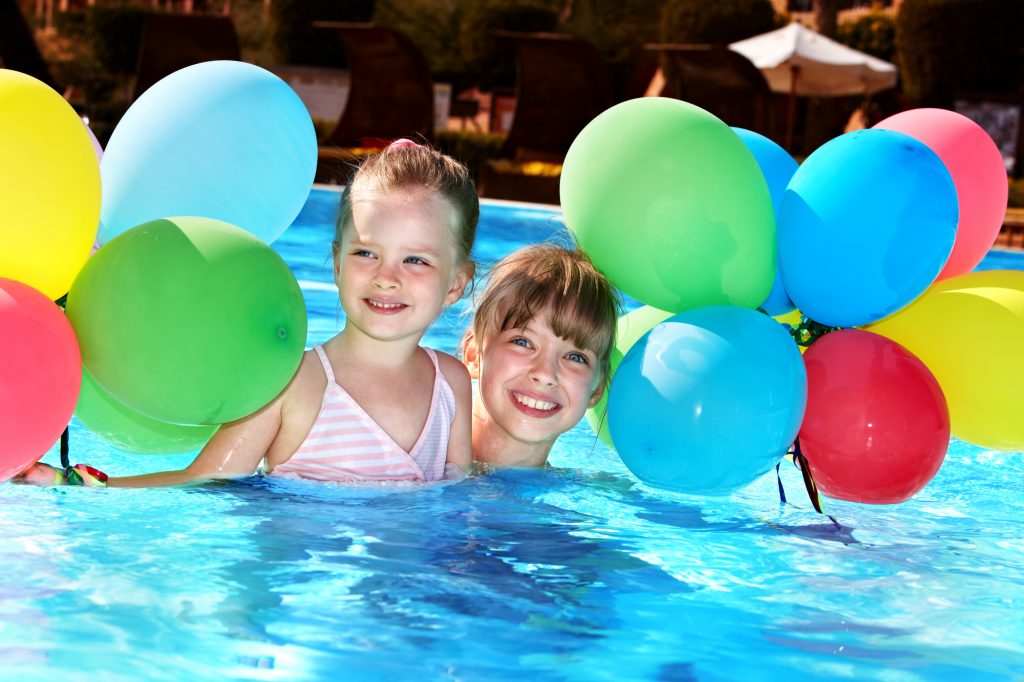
point(539, 348)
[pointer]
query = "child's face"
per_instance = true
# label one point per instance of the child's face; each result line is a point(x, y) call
point(534, 384)
point(396, 266)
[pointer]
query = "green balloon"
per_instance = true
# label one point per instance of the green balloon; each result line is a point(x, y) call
point(130, 431)
point(189, 320)
point(671, 205)
point(628, 331)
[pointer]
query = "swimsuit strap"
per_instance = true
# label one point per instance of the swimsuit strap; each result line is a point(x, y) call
point(432, 354)
point(328, 370)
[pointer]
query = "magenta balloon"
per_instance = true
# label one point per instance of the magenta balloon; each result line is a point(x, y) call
point(40, 373)
point(978, 172)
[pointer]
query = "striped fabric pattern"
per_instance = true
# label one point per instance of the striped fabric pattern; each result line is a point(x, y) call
point(345, 444)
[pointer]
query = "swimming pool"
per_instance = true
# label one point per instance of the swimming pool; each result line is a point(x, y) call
point(574, 573)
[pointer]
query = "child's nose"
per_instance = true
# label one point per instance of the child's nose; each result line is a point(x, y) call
point(385, 277)
point(544, 370)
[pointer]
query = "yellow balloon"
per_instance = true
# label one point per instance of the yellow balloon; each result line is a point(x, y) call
point(628, 331)
point(969, 331)
point(792, 319)
point(49, 186)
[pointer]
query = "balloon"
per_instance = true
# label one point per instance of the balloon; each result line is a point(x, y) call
point(50, 180)
point(40, 370)
point(671, 206)
point(778, 167)
point(628, 330)
point(969, 331)
point(130, 431)
point(877, 426)
point(978, 171)
point(708, 400)
point(189, 320)
point(96, 146)
point(220, 139)
point(866, 224)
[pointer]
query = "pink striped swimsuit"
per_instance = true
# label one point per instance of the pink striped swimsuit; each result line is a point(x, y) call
point(345, 444)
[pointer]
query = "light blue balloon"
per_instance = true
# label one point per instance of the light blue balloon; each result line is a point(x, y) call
point(708, 400)
point(222, 139)
point(778, 167)
point(866, 224)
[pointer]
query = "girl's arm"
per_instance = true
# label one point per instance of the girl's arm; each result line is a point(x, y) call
point(235, 451)
point(460, 442)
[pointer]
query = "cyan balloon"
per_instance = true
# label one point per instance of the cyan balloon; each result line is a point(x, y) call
point(778, 167)
point(223, 140)
point(866, 224)
point(708, 400)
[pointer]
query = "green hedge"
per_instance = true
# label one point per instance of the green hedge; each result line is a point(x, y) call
point(469, 147)
point(1016, 193)
point(295, 41)
point(873, 33)
point(722, 21)
point(492, 60)
point(950, 46)
point(114, 33)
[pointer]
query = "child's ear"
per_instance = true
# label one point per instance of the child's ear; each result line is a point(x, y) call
point(459, 283)
point(595, 397)
point(471, 355)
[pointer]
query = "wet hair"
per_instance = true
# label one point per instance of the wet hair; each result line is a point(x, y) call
point(405, 165)
point(581, 304)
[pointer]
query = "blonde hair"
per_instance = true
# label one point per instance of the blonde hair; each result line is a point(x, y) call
point(406, 165)
point(581, 304)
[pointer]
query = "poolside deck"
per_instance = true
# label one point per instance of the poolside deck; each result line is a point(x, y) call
point(1012, 234)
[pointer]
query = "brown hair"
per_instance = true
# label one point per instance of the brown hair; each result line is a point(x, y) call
point(406, 165)
point(581, 303)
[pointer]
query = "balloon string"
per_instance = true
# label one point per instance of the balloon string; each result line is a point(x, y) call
point(65, 438)
point(800, 460)
point(778, 479)
point(65, 447)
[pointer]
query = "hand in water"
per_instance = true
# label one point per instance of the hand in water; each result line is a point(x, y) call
point(46, 475)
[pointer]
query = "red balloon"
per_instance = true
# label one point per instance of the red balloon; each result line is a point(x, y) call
point(40, 374)
point(877, 426)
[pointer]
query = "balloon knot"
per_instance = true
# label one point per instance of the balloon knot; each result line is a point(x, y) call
point(809, 331)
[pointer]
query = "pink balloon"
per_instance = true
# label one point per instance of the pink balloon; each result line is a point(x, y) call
point(40, 374)
point(979, 174)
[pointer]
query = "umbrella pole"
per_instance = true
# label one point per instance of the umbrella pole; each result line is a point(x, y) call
point(794, 73)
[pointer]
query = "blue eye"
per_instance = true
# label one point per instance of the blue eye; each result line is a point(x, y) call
point(362, 253)
point(416, 260)
point(520, 341)
point(578, 357)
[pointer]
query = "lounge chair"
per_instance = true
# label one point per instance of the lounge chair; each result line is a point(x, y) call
point(173, 41)
point(391, 95)
point(562, 84)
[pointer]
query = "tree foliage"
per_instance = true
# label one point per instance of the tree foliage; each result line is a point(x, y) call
point(873, 33)
point(723, 21)
point(946, 47)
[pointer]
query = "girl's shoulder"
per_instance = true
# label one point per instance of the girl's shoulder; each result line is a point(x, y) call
point(308, 383)
point(454, 372)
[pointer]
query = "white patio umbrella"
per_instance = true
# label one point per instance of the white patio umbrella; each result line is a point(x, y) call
point(799, 61)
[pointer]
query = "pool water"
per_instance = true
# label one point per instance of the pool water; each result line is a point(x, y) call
point(578, 572)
